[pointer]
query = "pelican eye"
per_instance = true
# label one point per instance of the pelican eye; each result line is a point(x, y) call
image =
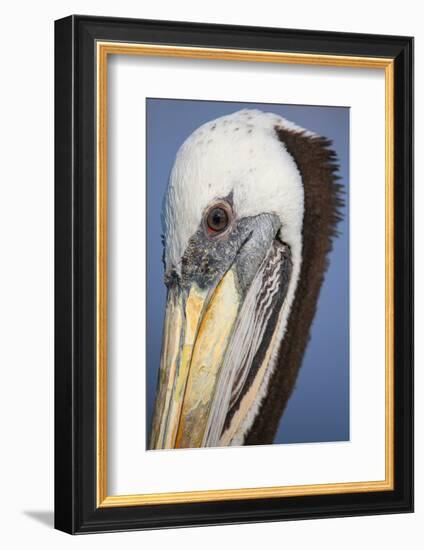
point(217, 219)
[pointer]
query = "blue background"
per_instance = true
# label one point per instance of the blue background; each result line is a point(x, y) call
point(318, 409)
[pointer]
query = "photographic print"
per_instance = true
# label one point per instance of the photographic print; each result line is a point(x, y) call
point(234, 274)
point(247, 273)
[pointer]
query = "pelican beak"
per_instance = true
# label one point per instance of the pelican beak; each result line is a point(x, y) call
point(198, 326)
point(218, 335)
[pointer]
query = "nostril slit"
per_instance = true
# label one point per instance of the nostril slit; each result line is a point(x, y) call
point(171, 278)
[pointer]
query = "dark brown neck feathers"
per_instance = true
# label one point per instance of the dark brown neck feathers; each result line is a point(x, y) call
point(317, 165)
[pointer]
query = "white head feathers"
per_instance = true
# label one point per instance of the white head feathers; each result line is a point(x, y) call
point(240, 154)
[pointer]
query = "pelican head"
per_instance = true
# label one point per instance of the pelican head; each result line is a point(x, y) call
point(248, 217)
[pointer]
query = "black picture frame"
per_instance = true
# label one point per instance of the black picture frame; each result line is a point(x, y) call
point(76, 509)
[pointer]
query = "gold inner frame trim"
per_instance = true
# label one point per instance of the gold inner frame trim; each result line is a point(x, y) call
point(103, 50)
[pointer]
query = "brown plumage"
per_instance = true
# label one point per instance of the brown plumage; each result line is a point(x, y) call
point(316, 162)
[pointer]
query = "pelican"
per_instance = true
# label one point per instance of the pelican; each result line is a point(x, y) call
point(249, 214)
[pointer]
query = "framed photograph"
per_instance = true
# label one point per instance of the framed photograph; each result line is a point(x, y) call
point(233, 268)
